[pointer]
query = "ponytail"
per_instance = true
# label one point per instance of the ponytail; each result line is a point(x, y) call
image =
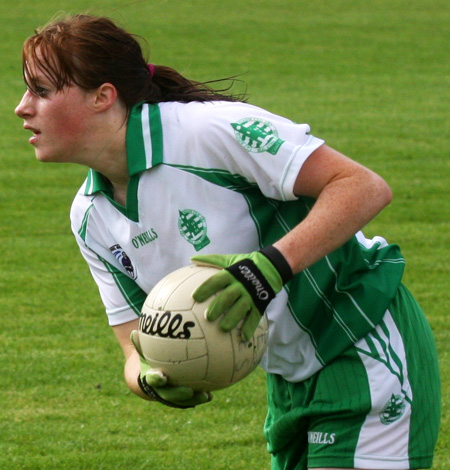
point(169, 85)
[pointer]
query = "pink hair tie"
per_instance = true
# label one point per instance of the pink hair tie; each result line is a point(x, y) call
point(151, 69)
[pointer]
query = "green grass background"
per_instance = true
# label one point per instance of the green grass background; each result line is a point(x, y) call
point(370, 77)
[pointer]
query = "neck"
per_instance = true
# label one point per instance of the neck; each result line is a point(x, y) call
point(112, 163)
point(103, 146)
point(108, 156)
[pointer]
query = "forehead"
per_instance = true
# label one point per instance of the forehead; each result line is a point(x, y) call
point(41, 65)
point(33, 71)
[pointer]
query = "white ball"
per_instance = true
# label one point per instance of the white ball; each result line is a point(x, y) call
point(176, 338)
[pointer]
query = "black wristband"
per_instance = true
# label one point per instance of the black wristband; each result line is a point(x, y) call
point(247, 273)
point(279, 261)
point(151, 392)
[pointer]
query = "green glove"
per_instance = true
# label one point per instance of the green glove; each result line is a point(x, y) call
point(248, 282)
point(154, 384)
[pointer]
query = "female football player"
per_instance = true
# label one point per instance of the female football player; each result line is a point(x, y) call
point(180, 173)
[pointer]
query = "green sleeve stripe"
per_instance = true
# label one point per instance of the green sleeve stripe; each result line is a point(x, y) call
point(132, 293)
point(83, 229)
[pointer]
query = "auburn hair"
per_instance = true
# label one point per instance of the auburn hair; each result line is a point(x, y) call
point(88, 51)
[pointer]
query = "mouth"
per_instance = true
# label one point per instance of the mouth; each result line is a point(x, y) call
point(36, 133)
point(32, 129)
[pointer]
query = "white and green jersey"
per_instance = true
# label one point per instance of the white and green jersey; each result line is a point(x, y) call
point(218, 177)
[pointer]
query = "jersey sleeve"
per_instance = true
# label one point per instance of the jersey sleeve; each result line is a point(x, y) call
point(267, 149)
point(121, 296)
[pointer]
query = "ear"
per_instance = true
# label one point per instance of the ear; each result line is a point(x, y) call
point(104, 97)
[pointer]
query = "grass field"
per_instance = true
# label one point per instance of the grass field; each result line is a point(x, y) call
point(370, 77)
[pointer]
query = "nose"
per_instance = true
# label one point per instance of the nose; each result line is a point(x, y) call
point(25, 107)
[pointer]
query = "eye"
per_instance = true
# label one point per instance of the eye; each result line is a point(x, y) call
point(41, 91)
point(38, 90)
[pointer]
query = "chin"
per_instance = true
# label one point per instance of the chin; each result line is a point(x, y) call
point(42, 157)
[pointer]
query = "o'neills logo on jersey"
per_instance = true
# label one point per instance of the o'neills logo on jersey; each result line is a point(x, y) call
point(144, 238)
point(257, 136)
point(192, 226)
point(123, 259)
point(166, 325)
point(321, 437)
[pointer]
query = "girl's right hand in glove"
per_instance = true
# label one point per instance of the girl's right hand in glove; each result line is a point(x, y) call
point(154, 384)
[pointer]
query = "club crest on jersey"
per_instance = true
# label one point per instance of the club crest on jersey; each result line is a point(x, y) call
point(257, 136)
point(123, 259)
point(393, 410)
point(192, 226)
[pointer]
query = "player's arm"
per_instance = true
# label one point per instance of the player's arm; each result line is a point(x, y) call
point(132, 366)
point(347, 195)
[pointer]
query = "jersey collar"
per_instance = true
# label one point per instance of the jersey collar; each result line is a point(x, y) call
point(144, 145)
point(95, 183)
point(144, 138)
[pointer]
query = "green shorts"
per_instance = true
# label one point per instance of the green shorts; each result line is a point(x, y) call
point(377, 406)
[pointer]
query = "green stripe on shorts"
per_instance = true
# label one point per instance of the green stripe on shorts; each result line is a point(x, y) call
point(375, 406)
point(423, 371)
